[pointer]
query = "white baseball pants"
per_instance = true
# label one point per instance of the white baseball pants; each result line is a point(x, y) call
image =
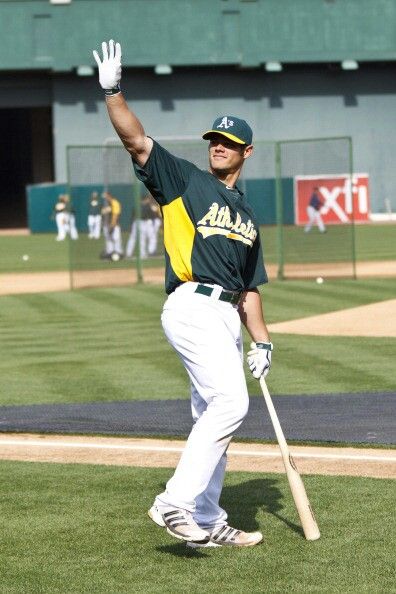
point(113, 240)
point(153, 236)
point(206, 333)
point(94, 223)
point(62, 223)
point(143, 226)
point(314, 216)
point(72, 227)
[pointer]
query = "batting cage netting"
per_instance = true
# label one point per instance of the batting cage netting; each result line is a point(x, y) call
point(302, 192)
point(103, 192)
point(317, 199)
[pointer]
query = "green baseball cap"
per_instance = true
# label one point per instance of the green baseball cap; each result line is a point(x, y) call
point(233, 128)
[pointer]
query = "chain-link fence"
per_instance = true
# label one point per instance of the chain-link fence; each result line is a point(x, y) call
point(315, 208)
point(280, 181)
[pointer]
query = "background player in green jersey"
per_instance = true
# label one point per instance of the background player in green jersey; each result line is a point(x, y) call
point(214, 264)
point(94, 216)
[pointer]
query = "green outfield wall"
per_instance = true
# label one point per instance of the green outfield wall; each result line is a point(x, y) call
point(41, 199)
point(40, 202)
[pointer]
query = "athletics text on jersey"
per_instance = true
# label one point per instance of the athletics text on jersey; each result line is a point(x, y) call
point(210, 232)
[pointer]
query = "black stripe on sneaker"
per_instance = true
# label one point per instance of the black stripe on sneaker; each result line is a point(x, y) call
point(172, 514)
point(219, 533)
point(225, 535)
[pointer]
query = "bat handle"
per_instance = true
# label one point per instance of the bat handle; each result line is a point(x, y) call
point(274, 417)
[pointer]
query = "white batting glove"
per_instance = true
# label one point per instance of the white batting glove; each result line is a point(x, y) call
point(109, 67)
point(259, 358)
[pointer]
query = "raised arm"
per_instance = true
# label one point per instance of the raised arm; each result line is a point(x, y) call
point(125, 122)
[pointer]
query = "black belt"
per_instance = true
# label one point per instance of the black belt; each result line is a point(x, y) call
point(230, 296)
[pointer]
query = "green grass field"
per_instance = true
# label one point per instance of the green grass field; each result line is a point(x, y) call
point(46, 255)
point(82, 529)
point(108, 344)
point(373, 242)
point(73, 529)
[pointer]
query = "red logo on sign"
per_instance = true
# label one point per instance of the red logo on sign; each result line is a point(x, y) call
point(343, 199)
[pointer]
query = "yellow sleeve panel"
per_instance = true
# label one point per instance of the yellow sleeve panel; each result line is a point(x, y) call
point(115, 211)
point(179, 233)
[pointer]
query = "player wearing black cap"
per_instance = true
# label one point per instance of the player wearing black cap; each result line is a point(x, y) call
point(214, 264)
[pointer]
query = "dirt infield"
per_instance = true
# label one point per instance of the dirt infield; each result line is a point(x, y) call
point(368, 269)
point(16, 231)
point(157, 453)
point(43, 282)
point(375, 319)
point(39, 282)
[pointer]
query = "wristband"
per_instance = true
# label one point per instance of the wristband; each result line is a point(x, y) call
point(113, 91)
point(267, 346)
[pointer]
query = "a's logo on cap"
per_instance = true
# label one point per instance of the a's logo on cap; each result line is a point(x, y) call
point(225, 123)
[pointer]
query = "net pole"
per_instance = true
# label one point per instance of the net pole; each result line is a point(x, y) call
point(136, 196)
point(353, 235)
point(279, 209)
point(70, 247)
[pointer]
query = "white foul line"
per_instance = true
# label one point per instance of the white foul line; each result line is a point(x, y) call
point(147, 448)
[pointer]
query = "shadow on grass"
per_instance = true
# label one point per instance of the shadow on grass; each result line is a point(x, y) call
point(242, 502)
point(180, 549)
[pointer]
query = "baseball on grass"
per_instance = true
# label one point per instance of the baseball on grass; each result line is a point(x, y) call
point(319, 280)
point(25, 257)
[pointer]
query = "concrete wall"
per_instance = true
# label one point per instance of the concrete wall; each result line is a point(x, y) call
point(300, 103)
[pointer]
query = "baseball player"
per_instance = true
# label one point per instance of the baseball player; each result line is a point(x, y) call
point(313, 212)
point(61, 217)
point(65, 218)
point(72, 218)
point(213, 267)
point(94, 216)
point(111, 211)
point(156, 223)
point(145, 226)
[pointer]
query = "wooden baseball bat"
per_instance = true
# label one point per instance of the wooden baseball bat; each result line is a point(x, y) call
point(304, 509)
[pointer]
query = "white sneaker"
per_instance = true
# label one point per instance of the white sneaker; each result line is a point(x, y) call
point(226, 536)
point(155, 515)
point(179, 523)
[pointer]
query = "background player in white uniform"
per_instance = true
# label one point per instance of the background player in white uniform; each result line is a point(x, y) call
point(72, 218)
point(65, 218)
point(156, 220)
point(144, 227)
point(61, 217)
point(111, 212)
point(213, 266)
point(94, 216)
point(313, 212)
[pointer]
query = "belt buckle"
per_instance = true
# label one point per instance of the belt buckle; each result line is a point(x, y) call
point(232, 296)
point(235, 299)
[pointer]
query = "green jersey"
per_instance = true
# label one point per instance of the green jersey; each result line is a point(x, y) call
point(210, 232)
point(94, 207)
